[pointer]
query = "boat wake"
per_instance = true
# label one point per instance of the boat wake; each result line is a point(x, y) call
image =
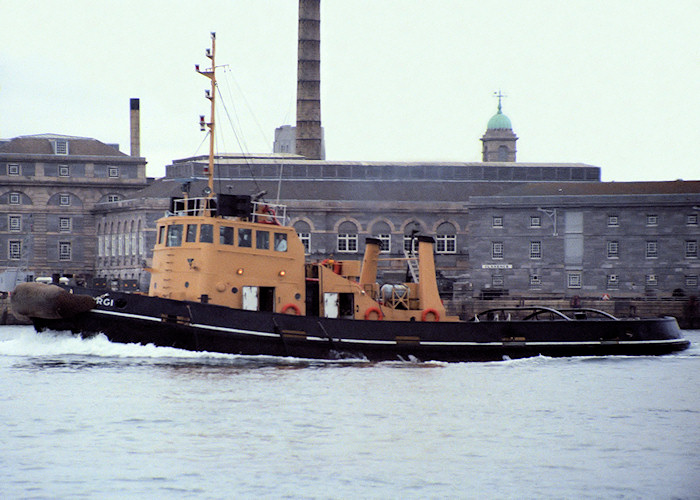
point(57, 348)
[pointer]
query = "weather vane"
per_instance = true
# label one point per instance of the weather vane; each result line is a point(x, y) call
point(500, 96)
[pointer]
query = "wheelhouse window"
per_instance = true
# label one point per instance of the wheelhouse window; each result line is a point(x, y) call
point(280, 242)
point(174, 235)
point(206, 233)
point(613, 249)
point(225, 235)
point(245, 237)
point(161, 236)
point(191, 235)
point(262, 240)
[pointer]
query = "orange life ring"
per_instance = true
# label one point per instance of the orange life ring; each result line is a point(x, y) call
point(293, 307)
point(270, 216)
point(370, 310)
point(430, 311)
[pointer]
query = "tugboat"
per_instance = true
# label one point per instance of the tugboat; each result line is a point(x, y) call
point(229, 275)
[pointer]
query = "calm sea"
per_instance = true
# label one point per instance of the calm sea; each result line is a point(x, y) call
point(93, 419)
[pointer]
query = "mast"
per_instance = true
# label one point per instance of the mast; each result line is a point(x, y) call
point(209, 94)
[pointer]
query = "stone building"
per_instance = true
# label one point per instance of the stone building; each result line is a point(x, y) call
point(49, 186)
point(588, 239)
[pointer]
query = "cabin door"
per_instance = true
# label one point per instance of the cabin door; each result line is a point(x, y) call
point(250, 298)
point(330, 305)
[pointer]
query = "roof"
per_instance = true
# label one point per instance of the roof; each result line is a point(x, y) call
point(604, 188)
point(42, 145)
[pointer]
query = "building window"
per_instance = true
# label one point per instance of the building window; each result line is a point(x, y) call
point(14, 198)
point(613, 249)
point(535, 249)
point(113, 171)
point(64, 250)
point(60, 147)
point(692, 219)
point(574, 280)
point(691, 249)
point(347, 243)
point(15, 223)
point(446, 243)
point(613, 221)
point(410, 244)
point(535, 221)
point(306, 241)
point(651, 280)
point(113, 197)
point(691, 280)
point(497, 281)
point(64, 200)
point(385, 245)
point(15, 249)
point(63, 171)
point(13, 169)
point(652, 220)
point(535, 281)
point(496, 249)
point(652, 250)
point(497, 221)
point(64, 224)
point(612, 282)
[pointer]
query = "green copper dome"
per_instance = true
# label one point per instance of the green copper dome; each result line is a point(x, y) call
point(499, 120)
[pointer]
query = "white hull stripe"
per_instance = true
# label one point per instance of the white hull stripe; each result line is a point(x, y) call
point(393, 342)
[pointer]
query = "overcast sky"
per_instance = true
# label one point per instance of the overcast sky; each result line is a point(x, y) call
point(612, 83)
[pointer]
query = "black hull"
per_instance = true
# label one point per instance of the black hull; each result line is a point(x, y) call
point(133, 318)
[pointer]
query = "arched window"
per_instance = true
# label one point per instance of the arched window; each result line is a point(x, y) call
point(382, 232)
point(502, 153)
point(304, 231)
point(347, 237)
point(446, 238)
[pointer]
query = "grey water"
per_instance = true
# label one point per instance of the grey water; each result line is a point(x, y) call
point(93, 419)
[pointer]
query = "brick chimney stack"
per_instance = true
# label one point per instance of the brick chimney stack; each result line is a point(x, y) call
point(308, 130)
point(135, 128)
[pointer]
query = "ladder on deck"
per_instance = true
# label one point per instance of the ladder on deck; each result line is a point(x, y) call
point(412, 261)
